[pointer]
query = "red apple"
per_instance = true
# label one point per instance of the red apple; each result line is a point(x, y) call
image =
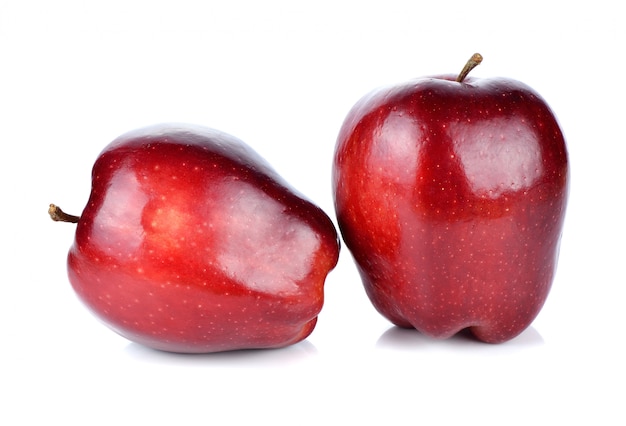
point(191, 242)
point(450, 194)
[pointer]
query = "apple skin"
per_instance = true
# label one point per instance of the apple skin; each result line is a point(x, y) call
point(191, 243)
point(451, 198)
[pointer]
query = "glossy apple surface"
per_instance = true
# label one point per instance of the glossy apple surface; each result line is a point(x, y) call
point(451, 198)
point(190, 242)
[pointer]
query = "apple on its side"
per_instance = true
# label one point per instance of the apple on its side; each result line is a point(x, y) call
point(191, 242)
point(450, 193)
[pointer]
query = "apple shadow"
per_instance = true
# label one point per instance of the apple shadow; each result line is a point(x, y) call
point(407, 339)
point(244, 357)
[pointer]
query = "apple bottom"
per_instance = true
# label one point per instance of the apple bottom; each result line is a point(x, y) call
point(478, 275)
point(442, 319)
point(188, 318)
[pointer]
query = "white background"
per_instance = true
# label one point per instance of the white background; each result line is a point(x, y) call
point(281, 76)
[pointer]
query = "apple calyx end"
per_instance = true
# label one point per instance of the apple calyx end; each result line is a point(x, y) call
point(472, 63)
point(59, 215)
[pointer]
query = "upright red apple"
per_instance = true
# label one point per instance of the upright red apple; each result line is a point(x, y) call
point(450, 193)
point(191, 242)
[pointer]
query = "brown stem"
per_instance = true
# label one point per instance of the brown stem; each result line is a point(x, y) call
point(59, 215)
point(473, 62)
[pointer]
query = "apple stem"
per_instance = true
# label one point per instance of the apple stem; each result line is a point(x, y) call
point(472, 63)
point(59, 215)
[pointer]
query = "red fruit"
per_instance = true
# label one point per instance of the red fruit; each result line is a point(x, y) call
point(190, 242)
point(451, 197)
